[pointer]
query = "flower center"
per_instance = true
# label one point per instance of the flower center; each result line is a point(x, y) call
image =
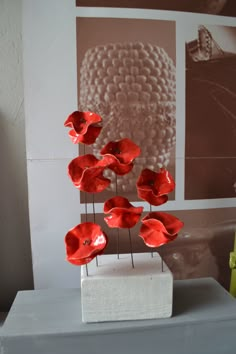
point(86, 242)
point(115, 151)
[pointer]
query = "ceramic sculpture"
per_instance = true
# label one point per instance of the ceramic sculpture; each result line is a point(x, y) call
point(87, 240)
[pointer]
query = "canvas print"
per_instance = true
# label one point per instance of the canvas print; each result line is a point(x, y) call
point(210, 165)
point(126, 74)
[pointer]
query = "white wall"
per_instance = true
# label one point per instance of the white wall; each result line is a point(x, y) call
point(50, 95)
point(15, 259)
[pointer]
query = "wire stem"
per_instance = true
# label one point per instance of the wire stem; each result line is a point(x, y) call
point(131, 249)
point(85, 195)
point(118, 244)
point(150, 212)
point(118, 231)
point(94, 219)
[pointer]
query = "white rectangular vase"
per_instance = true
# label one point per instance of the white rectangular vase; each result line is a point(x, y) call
point(115, 291)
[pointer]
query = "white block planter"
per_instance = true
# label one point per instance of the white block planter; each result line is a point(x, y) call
point(115, 291)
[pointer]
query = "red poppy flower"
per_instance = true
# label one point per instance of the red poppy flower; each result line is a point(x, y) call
point(84, 127)
point(153, 187)
point(86, 174)
point(84, 242)
point(159, 228)
point(121, 153)
point(122, 213)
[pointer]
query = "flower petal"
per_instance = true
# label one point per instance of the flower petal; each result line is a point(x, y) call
point(170, 222)
point(116, 202)
point(164, 182)
point(146, 180)
point(153, 238)
point(116, 166)
point(122, 213)
point(123, 152)
point(93, 181)
point(122, 219)
point(86, 174)
point(151, 198)
point(128, 151)
point(159, 228)
point(88, 138)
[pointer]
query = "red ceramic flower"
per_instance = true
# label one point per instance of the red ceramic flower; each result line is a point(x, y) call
point(84, 127)
point(159, 228)
point(121, 155)
point(122, 213)
point(84, 242)
point(86, 173)
point(153, 187)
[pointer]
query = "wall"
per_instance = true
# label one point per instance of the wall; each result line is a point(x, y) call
point(15, 253)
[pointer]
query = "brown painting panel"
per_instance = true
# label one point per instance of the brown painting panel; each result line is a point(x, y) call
point(126, 73)
point(209, 178)
point(211, 108)
point(210, 149)
point(201, 249)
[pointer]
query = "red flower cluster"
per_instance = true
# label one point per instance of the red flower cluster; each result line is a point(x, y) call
point(159, 228)
point(120, 155)
point(84, 127)
point(122, 213)
point(84, 242)
point(153, 187)
point(87, 240)
point(86, 172)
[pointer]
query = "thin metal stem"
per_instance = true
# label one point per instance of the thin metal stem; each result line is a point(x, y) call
point(86, 206)
point(118, 231)
point(150, 212)
point(93, 209)
point(86, 266)
point(85, 194)
point(162, 265)
point(118, 243)
point(131, 249)
point(94, 219)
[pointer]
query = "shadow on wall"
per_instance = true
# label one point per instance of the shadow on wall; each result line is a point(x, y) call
point(15, 252)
